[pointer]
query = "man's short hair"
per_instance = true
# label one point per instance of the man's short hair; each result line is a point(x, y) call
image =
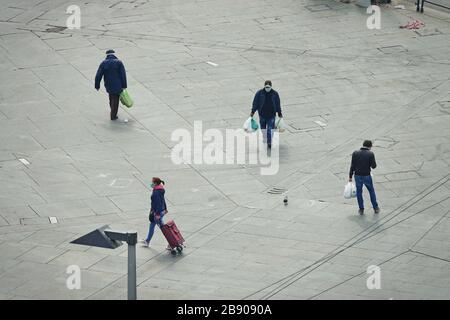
point(268, 82)
point(110, 51)
point(367, 144)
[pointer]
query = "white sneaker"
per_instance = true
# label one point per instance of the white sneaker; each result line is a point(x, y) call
point(145, 243)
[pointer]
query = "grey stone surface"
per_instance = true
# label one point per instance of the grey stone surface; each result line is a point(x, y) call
point(339, 83)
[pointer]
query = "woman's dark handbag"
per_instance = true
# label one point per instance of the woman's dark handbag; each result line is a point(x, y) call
point(151, 216)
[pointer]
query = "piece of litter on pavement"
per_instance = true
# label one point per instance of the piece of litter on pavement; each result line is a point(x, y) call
point(24, 161)
point(212, 63)
point(400, 6)
point(320, 123)
point(53, 220)
point(413, 25)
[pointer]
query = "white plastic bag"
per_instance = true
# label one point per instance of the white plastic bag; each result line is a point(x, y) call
point(349, 191)
point(279, 124)
point(250, 125)
point(353, 190)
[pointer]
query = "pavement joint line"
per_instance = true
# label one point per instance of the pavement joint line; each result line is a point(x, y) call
point(59, 255)
point(32, 209)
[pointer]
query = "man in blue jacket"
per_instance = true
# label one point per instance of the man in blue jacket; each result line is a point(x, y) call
point(114, 78)
point(267, 103)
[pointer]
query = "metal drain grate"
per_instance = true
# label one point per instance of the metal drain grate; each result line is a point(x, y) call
point(276, 190)
point(55, 29)
point(426, 32)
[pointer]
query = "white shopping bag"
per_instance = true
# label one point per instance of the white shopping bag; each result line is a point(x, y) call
point(349, 191)
point(279, 124)
point(250, 125)
point(353, 190)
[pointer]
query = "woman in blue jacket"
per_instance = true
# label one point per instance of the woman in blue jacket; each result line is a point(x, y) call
point(158, 208)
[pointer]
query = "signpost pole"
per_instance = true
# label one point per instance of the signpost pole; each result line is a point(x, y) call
point(105, 238)
point(131, 241)
point(132, 291)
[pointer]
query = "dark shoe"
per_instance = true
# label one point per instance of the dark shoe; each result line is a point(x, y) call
point(361, 211)
point(115, 118)
point(269, 145)
point(376, 210)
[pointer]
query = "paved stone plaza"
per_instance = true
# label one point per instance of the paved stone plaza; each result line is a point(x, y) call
point(339, 82)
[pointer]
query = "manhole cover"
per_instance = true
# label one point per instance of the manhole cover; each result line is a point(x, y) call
point(385, 143)
point(425, 32)
point(392, 49)
point(318, 7)
point(55, 29)
point(307, 125)
point(444, 106)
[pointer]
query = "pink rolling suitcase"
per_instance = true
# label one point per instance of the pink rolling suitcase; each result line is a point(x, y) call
point(173, 236)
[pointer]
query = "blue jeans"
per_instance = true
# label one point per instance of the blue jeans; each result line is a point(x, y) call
point(267, 127)
point(361, 181)
point(151, 230)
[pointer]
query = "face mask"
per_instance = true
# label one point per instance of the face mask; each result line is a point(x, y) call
point(267, 88)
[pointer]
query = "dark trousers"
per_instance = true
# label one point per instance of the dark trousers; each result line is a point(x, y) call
point(114, 105)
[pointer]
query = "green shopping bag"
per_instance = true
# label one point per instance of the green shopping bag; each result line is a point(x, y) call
point(126, 99)
point(250, 125)
point(254, 125)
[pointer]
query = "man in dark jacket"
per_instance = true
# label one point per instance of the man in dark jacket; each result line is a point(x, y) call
point(114, 78)
point(363, 161)
point(267, 103)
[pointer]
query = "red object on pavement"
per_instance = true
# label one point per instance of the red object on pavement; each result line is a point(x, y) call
point(172, 234)
point(413, 25)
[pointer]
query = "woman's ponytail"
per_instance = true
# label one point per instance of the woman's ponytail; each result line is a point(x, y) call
point(158, 181)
